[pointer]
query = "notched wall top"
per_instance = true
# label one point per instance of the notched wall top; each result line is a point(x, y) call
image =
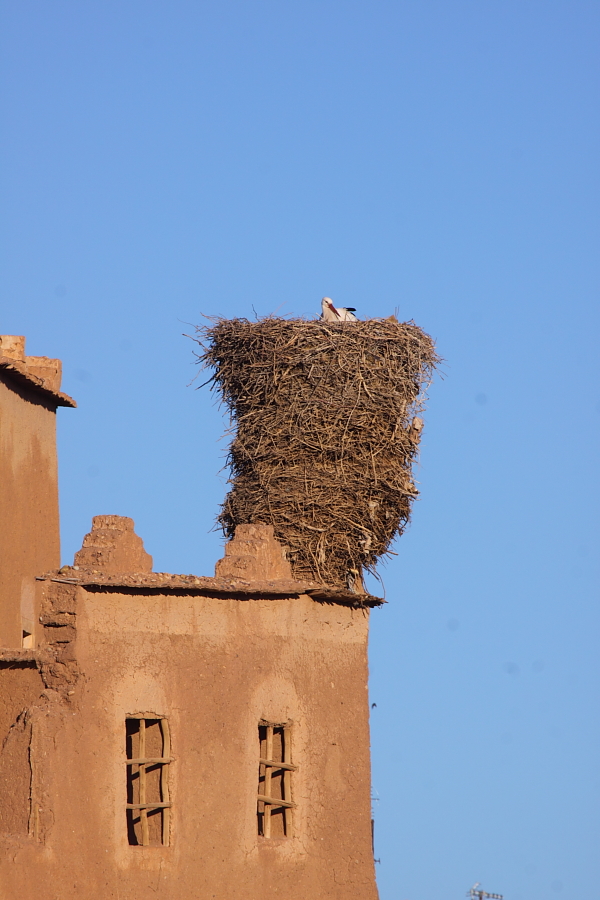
point(254, 565)
point(254, 554)
point(113, 547)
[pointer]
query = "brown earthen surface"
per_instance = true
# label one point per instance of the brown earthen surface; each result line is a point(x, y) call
point(254, 564)
point(29, 536)
point(253, 554)
point(12, 346)
point(215, 658)
point(113, 547)
point(39, 374)
point(216, 666)
point(21, 687)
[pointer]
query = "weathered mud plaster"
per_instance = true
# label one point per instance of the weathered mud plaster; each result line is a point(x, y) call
point(29, 536)
point(215, 662)
point(216, 656)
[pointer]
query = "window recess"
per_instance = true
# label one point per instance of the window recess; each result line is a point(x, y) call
point(148, 757)
point(275, 772)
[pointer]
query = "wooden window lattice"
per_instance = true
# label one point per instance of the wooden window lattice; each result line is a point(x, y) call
point(275, 803)
point(148, 751)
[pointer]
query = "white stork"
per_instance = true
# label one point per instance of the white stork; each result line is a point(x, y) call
point(331, 313)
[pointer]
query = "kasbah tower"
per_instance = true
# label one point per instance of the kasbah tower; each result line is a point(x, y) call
point(169, 736)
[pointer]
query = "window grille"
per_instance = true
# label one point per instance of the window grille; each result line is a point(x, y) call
point(148, 749)
point(275, 770)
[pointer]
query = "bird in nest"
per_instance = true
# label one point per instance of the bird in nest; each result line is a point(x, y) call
point(331, 313)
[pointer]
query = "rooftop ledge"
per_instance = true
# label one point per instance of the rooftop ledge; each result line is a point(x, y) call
point(162, 582)
point(19, 371)
point(18, 656)
point(113, 558)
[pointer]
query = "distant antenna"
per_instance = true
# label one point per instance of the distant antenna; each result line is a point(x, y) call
point(477, 893)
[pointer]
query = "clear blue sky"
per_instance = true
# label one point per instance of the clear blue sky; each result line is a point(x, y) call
point(164, 159)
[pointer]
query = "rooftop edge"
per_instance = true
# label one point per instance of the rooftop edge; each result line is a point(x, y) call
point(204, 585)
point(19, 372)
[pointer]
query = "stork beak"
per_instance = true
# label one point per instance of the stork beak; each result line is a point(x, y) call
point(333, 309)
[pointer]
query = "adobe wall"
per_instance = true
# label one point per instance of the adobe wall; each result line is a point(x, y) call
point(215, 665)
point(21, 687)
point(29, 533)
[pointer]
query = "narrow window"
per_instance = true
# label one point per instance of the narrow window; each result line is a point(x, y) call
point(275, 780)
point(148, 752)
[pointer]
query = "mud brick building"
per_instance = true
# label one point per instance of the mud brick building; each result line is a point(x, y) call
point(165, 735)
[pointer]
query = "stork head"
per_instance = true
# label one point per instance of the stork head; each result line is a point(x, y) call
point(327, 304)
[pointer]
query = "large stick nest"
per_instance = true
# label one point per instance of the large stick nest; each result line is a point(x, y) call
point(325, 433)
